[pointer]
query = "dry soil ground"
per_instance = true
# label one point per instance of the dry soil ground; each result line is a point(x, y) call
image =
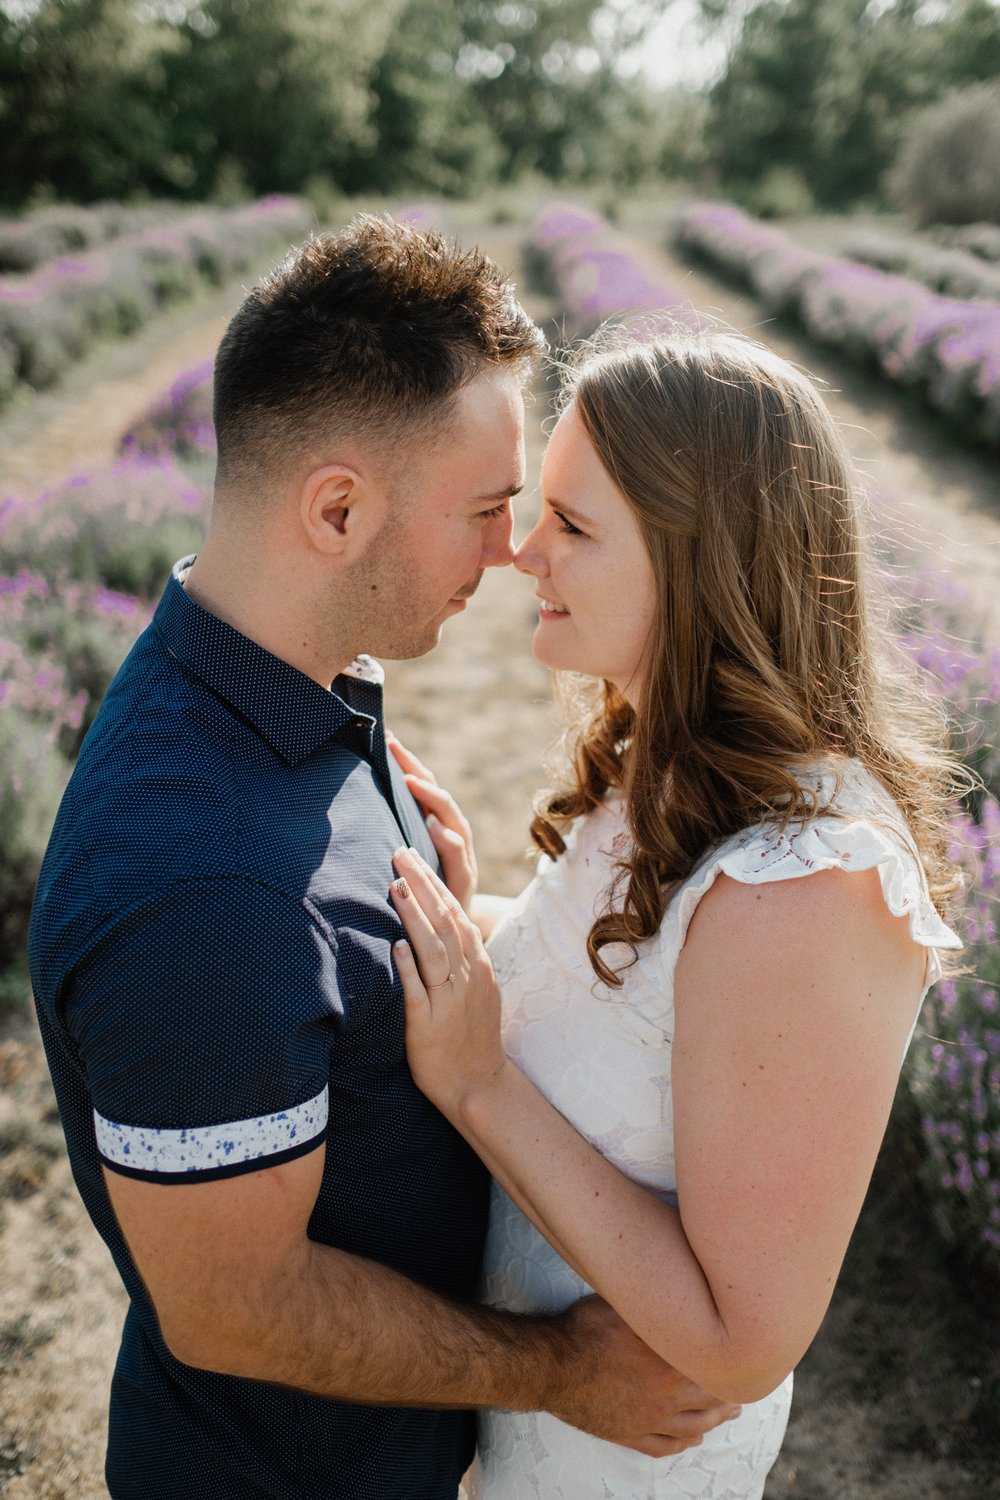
point(890, 1398)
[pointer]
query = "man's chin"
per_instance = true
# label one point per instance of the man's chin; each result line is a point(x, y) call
point(417, 645)
point(412, 649)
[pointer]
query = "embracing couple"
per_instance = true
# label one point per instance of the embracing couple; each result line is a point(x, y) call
point(367, 1181)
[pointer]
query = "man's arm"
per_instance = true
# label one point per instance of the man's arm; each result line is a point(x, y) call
point(240, 1288)
point(241, 1032)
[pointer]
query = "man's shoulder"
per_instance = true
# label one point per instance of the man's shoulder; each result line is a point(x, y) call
point(158, 759)
point(154, 801)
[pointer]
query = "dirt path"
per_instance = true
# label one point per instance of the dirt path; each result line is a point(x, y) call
point(478, 710)
point(76, 425)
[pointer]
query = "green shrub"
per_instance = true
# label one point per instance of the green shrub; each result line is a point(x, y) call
point(782, 193)
point(326, 201)
point(33, 777)
point(84, 632)
point(954, 1066)
point(8, 370)
point(123, 527)
point(946, 172)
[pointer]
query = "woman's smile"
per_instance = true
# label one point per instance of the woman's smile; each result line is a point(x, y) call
point(590, 566)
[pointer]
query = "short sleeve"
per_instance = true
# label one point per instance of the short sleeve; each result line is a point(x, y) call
point(760, 856)
point(204, 1021)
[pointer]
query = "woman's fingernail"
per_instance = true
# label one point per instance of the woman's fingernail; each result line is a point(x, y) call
point(401, 888)
point(432, 818)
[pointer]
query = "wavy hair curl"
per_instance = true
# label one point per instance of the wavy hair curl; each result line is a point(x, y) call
point(767, 651)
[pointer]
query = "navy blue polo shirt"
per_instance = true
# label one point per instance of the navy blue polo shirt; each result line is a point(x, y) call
point(210, 951)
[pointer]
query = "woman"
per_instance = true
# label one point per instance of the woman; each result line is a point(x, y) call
point(683, 1089)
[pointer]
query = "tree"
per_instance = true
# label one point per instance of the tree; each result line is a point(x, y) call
point(427, 131)
point(825, 87)
point(77, 115)
point(277, 90)
point(543, 73)
point(947, 170)
point(468, 90)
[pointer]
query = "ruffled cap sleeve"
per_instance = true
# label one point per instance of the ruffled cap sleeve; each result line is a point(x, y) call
point(875, 839)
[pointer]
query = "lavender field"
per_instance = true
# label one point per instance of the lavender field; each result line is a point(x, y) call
point(899, 1396)
point(945, 347)
point(54, 305)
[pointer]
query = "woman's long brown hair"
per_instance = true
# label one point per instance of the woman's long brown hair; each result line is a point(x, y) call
point(767, 651)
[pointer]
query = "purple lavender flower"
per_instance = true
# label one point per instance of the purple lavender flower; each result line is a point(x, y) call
point(947, 346)
point(597, 272)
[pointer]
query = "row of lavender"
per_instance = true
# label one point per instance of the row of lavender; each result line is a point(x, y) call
point(81, 566)
point(956, 273)
point(945, 348)
point(29, 240)
point(982, 240)
point(953, 1069)
point(50, 318)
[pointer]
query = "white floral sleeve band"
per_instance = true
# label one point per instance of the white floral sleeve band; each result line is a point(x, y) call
point(212, 1150)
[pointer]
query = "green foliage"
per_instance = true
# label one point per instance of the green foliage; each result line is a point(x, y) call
point(124, 528)
point(427, 131)
point(77, 108)
point(224, 99)
point(276, 90)
point(825, 88)
point(467, 94)
point(103, 98)
point(34, 774)
point(947, 169)
point(782, 193)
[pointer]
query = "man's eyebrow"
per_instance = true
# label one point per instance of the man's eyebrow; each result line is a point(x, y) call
point(507, 493)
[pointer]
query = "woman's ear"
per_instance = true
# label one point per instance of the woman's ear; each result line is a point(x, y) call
point(338, 509)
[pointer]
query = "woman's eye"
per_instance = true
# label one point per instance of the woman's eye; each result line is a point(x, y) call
point(565, 525)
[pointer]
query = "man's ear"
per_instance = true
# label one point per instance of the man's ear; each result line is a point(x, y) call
point(339, 509)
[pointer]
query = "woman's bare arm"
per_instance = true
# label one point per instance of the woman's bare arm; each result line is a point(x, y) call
point(793, 1004)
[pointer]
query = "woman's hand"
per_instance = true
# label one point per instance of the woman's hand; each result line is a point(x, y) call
point(452, 1000)
point(449, 829)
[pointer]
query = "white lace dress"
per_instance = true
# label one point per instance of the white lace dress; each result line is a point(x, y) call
point(602, 1057)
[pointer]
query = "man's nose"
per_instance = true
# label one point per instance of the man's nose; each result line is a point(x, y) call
point(498, 542)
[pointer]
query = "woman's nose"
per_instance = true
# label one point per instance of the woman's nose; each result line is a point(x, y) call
point(529, 558)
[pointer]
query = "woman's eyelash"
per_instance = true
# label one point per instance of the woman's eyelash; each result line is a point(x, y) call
point(567, 526)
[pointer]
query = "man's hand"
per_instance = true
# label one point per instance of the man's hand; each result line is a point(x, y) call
point(618, 1389)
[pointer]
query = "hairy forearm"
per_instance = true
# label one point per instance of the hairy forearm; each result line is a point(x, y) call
point(627, 1244)
point(338, 1326)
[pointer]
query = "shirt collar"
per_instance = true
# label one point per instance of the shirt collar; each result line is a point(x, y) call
point(288, 709)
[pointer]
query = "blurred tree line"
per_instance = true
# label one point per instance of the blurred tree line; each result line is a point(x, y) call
point(220, 98)
point(198, 98)
point(820, 97)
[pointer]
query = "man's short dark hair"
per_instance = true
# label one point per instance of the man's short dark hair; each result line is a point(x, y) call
point(368, 330)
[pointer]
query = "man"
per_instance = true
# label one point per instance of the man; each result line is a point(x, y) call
point(298, 1229)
